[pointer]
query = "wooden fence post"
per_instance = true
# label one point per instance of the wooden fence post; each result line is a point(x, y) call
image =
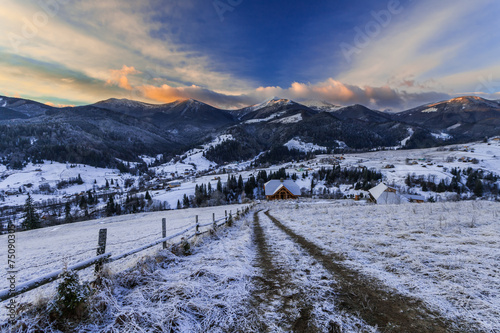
point(197, 226)
point(226, 215)
point(101, 247)
point(164, 231)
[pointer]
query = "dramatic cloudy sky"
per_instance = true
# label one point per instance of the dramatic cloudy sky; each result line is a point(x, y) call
point(231, 53)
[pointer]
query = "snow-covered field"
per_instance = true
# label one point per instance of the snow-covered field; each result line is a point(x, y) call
point(446, 254)
point(255, 277)
point(42, 251)
point(34, 175)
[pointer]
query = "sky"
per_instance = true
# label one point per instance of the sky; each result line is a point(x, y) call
point(387, 55)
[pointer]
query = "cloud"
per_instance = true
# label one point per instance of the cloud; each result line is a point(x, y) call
point(426, 43)
point(331, 91)
point(119, 77)
point(90, 37)
point(59, 105)
point(168, 94)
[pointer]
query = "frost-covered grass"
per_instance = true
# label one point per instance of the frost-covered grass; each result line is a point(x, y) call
point(42, 251)
point(446, 254)
point(207, 291)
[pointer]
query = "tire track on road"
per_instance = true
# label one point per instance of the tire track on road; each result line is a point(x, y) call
point(369, 299)
point(277, 299)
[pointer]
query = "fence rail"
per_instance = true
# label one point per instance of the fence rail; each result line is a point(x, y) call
point(102, 258)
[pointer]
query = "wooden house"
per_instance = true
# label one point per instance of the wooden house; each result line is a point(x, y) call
point(414, 198)
point(281, 190)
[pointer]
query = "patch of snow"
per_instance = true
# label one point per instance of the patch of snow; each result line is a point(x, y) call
point(429, 110)
point(341, 144)
point(289, 120)
point(441, 136)
point(410, 134)
point(453, 127)
point(218, 140)
point(303, 146)
point(271, 117)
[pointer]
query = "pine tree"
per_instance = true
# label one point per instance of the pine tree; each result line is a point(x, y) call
point(107, 184)
point(67, 212)
point(185, 201)
point(478, 188)
point(148, 196)
point(110, 206)
point(179, 206)
point(83, 202)
point(31, 217)
point(240, 183)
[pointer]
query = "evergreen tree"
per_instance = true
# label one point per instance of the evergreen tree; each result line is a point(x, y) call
point(179, 206)
point(107, 184)
point(148, 196)
point(240, 183)
point(185, 201)
point(79, 180)
point(219, 186)
point(83, 202)
point(67, 212)
point(478, 188)
point(110, 206)
point(31, 217)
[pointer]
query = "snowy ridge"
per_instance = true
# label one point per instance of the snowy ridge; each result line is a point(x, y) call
point(320, 105)
point(289, 120)
point(270, 102)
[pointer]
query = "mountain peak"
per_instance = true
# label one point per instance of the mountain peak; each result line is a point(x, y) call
point(122, 102)
point(467, 99)
point(320, 105)
point(275, 101)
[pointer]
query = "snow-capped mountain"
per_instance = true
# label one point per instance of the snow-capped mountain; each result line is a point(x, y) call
point(126, 129)
point(468, 116)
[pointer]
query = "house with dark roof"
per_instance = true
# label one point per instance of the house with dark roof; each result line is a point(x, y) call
point(281, 190)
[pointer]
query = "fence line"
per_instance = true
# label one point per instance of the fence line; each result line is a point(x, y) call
point(102, 258)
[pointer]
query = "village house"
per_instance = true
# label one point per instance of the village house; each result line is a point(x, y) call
point(281, 190)
point(414, 198)
point(383, 194)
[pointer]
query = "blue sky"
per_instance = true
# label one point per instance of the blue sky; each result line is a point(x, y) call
point(232, 53)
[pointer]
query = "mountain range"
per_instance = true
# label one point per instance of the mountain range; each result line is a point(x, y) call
point(122, 130)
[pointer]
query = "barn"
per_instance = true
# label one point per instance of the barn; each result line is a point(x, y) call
point(281, 190)
point(383, 194)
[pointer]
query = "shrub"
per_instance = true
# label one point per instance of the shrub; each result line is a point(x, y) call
point(70, 298)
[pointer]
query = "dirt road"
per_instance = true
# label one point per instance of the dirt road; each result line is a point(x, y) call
point(343, 300)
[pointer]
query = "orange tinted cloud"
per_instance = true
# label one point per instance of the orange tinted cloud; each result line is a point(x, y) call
point(59, 105)
point(119, 77)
